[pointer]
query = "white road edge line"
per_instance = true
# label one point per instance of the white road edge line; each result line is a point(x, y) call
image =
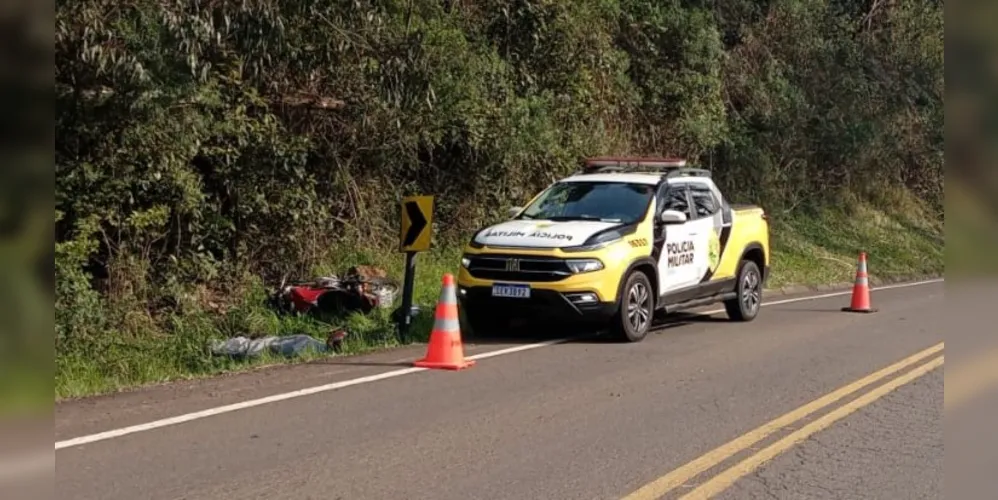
point(179, 419)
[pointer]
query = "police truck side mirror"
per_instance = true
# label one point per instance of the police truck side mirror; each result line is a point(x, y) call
point(514, 210)
point(672, 217)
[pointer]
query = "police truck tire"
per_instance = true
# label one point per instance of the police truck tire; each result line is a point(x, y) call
point(748, 293)
point(636, 309)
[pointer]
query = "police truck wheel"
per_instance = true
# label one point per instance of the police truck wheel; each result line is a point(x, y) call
point(636, 310)
point(748, 300)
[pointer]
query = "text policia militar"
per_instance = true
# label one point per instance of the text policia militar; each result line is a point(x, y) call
point(532, 234)
point(679, 254)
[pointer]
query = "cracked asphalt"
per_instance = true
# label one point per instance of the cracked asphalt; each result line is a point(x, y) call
point(585, 419)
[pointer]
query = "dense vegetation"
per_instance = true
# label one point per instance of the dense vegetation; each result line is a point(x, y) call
point(202, 146)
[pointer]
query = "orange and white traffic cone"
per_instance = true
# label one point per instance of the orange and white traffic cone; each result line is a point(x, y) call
point(446, 351)
point(861, 289)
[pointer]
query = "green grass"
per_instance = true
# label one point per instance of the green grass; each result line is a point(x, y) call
point(823, 248)
point(807, 249)
point(120, 361)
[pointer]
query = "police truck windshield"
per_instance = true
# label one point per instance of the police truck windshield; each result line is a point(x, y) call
point(597, 201)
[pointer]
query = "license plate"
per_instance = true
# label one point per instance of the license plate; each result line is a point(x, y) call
point(511, 291)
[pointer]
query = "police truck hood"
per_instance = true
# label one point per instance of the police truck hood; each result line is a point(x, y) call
point(541, 233)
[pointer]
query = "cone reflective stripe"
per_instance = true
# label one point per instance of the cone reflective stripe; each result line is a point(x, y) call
point(446, 313)
point(861, 276)
point(861, 289)
point(446, 350)
point(447, 324)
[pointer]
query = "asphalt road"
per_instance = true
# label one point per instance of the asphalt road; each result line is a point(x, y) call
point(892, 449)
point(584, 419)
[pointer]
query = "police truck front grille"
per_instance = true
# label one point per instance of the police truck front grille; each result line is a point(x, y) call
point(513, 268)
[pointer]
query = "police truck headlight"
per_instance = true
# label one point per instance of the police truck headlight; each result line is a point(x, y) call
point(584, 265)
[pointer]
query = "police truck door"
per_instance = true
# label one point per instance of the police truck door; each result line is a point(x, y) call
point(705, 228)
point(677, 262)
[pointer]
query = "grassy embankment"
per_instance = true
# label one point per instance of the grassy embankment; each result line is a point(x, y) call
point(807, 250)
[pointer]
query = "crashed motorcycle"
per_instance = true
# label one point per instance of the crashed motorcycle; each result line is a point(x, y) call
point(332, 296)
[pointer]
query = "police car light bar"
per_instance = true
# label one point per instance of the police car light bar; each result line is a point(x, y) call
point(622, 164)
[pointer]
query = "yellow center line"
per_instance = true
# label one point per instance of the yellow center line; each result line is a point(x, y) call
point(682, 475)
point(722, 481)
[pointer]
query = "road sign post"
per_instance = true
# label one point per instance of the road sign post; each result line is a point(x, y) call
point(415, 237)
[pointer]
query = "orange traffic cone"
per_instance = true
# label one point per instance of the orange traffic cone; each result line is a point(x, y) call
point(446, 351)
point(861, 289)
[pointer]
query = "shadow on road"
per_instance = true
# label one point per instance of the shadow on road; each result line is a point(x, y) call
point(524, 334)
point(520, 335)
point(814, 310)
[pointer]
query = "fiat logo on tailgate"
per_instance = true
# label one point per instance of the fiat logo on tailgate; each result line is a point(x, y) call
point(512, 265)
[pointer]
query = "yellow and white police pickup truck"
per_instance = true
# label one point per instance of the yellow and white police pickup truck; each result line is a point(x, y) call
point(614, 243)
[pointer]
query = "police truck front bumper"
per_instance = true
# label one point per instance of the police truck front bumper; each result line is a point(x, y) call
point(548, 305)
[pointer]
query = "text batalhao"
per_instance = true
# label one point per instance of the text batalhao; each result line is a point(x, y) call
point(532, 234)
point(679, 254)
